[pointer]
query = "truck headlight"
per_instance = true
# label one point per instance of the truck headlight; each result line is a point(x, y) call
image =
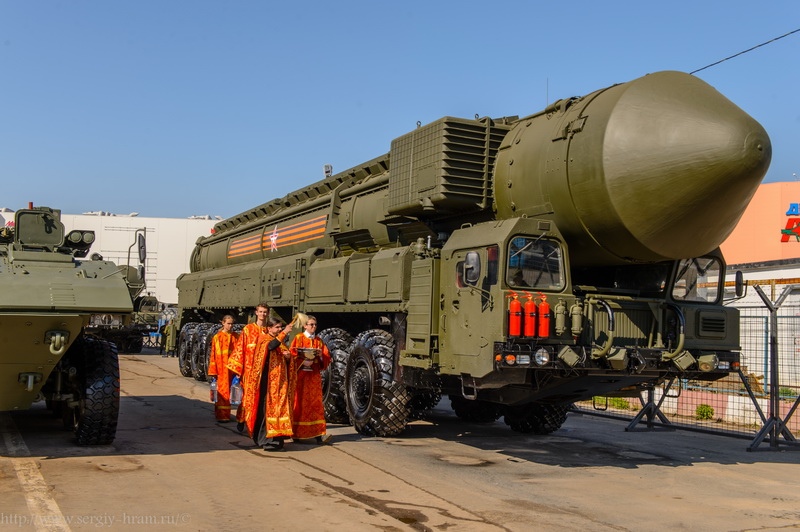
point(707, 362)
point(541, 356)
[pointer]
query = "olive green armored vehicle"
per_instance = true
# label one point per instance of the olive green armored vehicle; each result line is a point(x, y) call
point(48, 295)
point(515, 264)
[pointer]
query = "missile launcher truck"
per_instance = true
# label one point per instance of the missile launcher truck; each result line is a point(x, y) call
point(48, 296)
point(516, 265)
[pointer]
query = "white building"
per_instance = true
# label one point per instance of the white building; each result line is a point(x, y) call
point(170, 242)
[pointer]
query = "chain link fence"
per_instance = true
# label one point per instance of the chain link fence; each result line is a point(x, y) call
point(743, 404)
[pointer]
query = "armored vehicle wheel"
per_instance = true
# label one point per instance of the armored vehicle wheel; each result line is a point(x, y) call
point(185, 349)
point(535, 418)
point(376, 404)
point(333, 394)
point(474, 411)
point(95, 389)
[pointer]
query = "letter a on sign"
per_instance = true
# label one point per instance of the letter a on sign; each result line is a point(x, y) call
point(792, 230)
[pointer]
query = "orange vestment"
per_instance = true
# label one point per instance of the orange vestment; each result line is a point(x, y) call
point(308, 412)
point(269, 383)
point(222, 345)
point(242, 358)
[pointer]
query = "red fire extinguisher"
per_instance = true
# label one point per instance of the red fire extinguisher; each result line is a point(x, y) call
point(530, 317)
point(514, 316)
point(544, 317)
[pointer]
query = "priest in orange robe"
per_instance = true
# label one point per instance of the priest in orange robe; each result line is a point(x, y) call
point(222, 345)
point(242, 356)
point(308, 412)
point(270, 386)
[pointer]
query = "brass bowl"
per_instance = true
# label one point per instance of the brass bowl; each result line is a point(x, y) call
point(309, 353)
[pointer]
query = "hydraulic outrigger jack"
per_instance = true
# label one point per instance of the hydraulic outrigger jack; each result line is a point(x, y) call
point(651, 409)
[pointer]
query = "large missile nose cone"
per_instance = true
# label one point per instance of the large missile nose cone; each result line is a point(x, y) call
point(681, 162)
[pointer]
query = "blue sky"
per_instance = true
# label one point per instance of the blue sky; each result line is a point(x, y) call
point(179, 108)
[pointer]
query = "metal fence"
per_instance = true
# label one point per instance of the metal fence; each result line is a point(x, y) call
point(759, 402)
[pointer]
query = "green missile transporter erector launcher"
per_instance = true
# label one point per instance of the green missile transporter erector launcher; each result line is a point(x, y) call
point(514, 264)
point(48, 295)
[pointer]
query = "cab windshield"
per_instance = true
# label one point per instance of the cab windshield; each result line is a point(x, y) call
point(535, 263)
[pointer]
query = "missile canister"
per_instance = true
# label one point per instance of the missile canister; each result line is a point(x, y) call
point(658, 168)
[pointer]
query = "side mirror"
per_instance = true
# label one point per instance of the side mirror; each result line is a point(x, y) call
point(472, 268)
point(739, 283)
point(142, 245)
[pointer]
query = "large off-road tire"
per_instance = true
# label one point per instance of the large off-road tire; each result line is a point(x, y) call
point(95, 389)
point(185, 349)
point(333, 394)
point(201, 347)
point(536, 418)
point(422, 401)
point(474, 411)
point(135, 344)
point(376, 403)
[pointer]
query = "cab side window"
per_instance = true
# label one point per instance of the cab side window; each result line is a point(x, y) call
point(698, 279)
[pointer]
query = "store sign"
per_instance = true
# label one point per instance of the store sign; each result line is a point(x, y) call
point(792, 229)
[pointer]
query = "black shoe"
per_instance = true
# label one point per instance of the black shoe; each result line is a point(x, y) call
point(324, 439)
point(240, 426)
point(273, 446)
